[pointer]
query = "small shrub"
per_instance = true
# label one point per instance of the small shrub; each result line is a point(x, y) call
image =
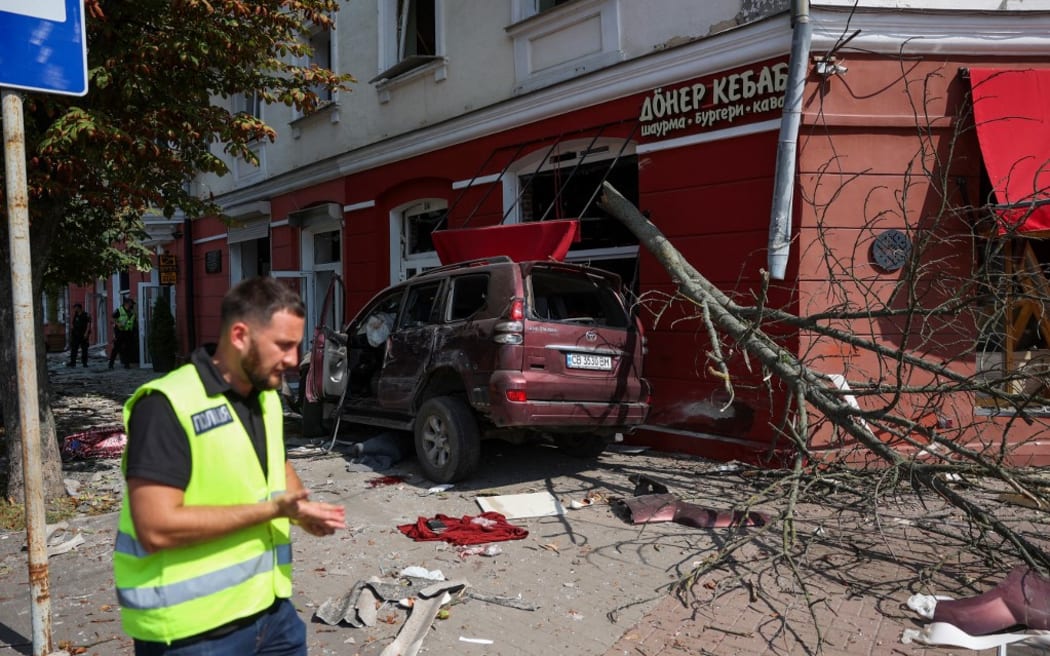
point(163, 344)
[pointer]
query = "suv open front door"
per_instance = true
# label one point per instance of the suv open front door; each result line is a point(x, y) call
point(408, 348)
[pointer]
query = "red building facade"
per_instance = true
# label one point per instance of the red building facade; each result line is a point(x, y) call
point(691, 137)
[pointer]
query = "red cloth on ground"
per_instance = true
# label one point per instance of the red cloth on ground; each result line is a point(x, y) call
point(105, 442)
point(463, 530)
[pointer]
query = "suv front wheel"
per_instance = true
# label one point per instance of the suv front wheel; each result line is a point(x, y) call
point(447, 441)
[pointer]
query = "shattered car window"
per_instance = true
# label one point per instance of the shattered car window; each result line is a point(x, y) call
point(469, 294)
point(565, 296)
point(419, 310)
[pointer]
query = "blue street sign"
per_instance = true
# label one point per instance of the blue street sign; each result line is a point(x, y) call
point(43, 46)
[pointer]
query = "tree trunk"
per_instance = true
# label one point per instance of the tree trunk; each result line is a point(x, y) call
point(51, 462)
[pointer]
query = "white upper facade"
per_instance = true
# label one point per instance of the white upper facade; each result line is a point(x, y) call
point(467, 55)
point(476, 65)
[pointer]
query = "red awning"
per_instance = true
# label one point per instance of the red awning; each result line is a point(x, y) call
point(534, 240)
point(1012, 112)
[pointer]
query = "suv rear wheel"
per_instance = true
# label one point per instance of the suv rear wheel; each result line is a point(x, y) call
point(447, 441)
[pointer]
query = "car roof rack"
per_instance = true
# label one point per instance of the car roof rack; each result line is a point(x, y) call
point(481, 261)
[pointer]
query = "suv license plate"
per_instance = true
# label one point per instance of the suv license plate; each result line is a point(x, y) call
point(588, 361)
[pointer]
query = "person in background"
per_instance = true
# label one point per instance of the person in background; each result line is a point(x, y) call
point(123, 332)
point(202, 562)
point(80, 330)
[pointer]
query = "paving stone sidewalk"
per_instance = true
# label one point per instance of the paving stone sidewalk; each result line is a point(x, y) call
point(857, 562)
point(855, 588)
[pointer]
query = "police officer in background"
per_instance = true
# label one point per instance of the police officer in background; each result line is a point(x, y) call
point(79, 332)
point(202, 562)
point(123, 332)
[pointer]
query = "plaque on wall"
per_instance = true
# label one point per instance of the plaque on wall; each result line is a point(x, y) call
point(168, 269)
point(213, 262)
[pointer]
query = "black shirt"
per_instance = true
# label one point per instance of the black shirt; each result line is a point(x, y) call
point(158, 448)
point(80, 324)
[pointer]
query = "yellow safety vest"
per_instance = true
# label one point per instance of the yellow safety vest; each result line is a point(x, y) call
point(181, 592)
point(125, 319)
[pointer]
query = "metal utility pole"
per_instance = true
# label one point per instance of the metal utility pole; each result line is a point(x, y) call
point(43, 49)
point(25, 366)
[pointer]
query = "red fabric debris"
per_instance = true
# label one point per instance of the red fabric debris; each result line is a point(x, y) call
point(486, 527)
point(385, 480)
point(107, 442)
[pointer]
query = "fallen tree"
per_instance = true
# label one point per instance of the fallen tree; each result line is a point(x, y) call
point(929, 461)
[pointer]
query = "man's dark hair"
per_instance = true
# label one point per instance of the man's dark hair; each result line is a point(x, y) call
point(256, 300)
point(78, 306)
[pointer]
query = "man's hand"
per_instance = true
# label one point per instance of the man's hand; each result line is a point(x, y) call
point(315, 517)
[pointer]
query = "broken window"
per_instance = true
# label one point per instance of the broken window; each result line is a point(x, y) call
point(410, 37)
point(416, 252)
point(1013, 349)
point(468, 296)
point(418, 229)
point(419, 308)
point(416, 33)
point(561, 296)
point(568, 191)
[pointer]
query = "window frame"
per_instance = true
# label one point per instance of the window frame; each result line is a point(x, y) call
point(326, 98)
point(248, 103)
point(545, 159)
point(327, 46)
point(524, 9)
point(395, 67)
point(407, 321)
point(401, 261)
point(453, 288)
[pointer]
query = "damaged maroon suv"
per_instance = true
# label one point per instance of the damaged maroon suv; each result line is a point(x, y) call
point(488, 348)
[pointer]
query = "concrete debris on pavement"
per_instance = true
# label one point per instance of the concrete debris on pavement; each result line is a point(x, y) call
point(359, 605)
point(590, 583)
point(519, 506)
point(429, 601)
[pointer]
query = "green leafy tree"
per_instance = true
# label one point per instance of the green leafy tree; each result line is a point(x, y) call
point(149, 123)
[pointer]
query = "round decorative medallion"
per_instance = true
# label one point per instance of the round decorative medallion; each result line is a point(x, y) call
point(890, 249)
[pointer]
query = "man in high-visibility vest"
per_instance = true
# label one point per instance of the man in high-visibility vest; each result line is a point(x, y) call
point(123, 332)
point(202, 562)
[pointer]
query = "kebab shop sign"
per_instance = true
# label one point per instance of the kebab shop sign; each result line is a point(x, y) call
point(714, 102)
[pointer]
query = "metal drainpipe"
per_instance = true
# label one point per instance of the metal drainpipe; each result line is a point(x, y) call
point(787, 144)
